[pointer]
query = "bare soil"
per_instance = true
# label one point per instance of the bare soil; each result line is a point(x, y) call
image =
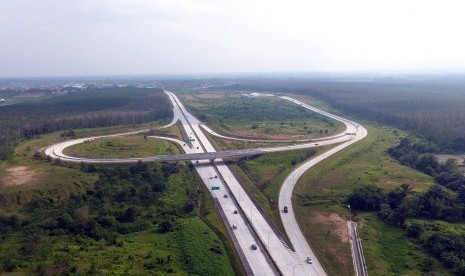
point(334, 222)
point(254, 135)
point(187, 97)
point(442, 158)
point(459, 157)
point(20, 175)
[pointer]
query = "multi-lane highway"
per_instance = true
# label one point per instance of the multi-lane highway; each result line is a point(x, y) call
point(273, 255)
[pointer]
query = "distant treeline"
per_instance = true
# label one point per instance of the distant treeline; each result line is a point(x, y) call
point(86, 109)
point(431, 107)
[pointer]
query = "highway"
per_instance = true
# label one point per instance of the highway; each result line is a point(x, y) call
point(285, 194)
point(273, 254)
point(256, 261)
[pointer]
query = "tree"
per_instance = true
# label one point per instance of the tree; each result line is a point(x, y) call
point(167, 224)
point(130, 215)
point(415, 229)
point(367, 198)
point(385, 211)
point(405, 189)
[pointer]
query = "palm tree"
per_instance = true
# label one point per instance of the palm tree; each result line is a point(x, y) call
point(405, 189)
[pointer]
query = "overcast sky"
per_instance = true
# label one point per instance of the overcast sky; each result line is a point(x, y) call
point(95, 37)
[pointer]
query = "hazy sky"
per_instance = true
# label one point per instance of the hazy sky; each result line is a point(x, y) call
point(87, 37)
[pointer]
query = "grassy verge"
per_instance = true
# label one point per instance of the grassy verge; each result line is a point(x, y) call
point(389, 252)
point(230, 114)
point(211, 217)
point(321, 192)
point(140, 253)
point(122, 147)
point(195, 247)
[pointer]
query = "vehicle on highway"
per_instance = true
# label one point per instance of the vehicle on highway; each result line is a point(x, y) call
point(309, 260)
point(235, 212)
point(234, 226)
point(254, 247)
point(285, 209)
point(225, 196)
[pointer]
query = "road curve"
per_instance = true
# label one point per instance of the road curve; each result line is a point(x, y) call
point(286, 260)
point(357, 133)
point(213, 133)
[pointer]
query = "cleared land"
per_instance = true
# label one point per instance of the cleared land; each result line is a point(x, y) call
point(264, 117)
point(321, 193)
point(122, 147)
point(139, 252)
point(459, 157)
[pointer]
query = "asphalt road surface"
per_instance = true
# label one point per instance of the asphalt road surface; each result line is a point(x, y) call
point(272, 254)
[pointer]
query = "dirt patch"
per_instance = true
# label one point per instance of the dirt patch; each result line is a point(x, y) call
point(20, 175)
point(460, 158)
point(256, 135)
point(206, 95)
point(186, 97)
point(335, 223)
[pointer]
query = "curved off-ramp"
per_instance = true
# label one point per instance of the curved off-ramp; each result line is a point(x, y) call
point(353, 133)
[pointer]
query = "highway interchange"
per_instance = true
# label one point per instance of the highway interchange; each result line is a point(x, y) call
point(248, 226)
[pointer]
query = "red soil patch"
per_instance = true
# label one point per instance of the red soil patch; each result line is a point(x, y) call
point(18, 176)
point(336, 224)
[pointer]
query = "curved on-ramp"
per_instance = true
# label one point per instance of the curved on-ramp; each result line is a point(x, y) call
point(353, 133)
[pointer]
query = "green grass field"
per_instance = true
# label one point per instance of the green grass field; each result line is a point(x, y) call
point(140, 253)
point(388, 251)
point(321, 192)
point(123, 147)
point(234, 115)
point(195, 247)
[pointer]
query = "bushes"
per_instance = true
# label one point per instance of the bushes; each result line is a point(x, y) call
point(401, 204)
point(86, 109)
point(367, 198)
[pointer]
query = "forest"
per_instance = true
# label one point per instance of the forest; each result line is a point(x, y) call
point(159, 202)
point(429, 106)
point(83, 109)
point(444, 201)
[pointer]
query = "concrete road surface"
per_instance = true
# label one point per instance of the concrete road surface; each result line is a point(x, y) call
point(272, 254)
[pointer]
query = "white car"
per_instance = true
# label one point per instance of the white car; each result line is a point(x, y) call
point(309, 260)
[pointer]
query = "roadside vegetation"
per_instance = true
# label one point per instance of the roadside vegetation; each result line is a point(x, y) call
point(321, 203)
point(122, 147)
point(428, 218)
point(431, 106)
point(61, 219)
point(263, 176)
point(84, 109)
point(124, 219)
point(258, 117)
